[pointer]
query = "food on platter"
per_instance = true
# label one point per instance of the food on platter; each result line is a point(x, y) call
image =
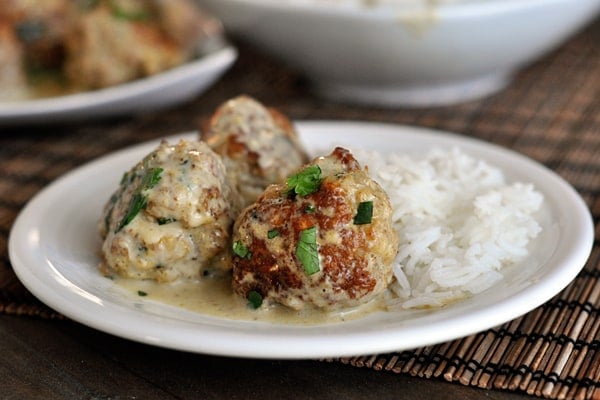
point(322, 239)
point(171, 216)
point(58, 47)
point(460, 224)
point(350, 230)
point(259, 145)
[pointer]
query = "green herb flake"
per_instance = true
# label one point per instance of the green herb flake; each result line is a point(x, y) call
point(309, 209)
point(128, 13)
point(139, 201)
point(304, 182)
point(273, 233)
point(255, 299)
point(364, 213)
point(164, 221)
point(241, 250)
point(307, 251)
point(151, 178)
point(125, 178)
point(141, 293)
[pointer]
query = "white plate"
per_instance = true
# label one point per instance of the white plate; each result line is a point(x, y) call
point(53, 248)
point(158, 91)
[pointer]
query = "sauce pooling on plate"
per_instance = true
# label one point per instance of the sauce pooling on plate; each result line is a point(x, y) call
point(215, 297)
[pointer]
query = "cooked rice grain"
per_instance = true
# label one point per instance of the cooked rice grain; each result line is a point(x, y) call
point(460, 224)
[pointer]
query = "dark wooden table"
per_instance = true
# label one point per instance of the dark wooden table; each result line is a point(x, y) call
point(551, 112)
point(63, 360)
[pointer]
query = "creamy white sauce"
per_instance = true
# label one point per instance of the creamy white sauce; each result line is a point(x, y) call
point(214, 297)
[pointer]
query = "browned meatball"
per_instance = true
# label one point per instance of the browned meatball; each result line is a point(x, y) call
point(319, 247)
point(259, 144)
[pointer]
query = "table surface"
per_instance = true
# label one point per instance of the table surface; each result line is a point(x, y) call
point(550, 112)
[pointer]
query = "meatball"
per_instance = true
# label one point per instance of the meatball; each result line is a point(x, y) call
point(171, 217)
point(119, 41)
point(324, 239)
point(92, 44)
point(259, 145)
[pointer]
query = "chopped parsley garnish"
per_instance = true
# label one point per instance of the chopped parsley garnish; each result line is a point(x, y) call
point(273, 233)
point(130, 13)
point(310, 209)
point(364, 213)
point(254, 299)
point(241, 250)
point(139, 201)
point(125, 178)
point(164, 221)
point(304, 182)
point(141, 293)
point(307, 251)
point(151, 178)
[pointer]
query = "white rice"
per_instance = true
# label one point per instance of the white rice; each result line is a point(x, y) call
point(460, 224)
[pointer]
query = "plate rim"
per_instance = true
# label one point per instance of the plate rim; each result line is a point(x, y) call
point(328, 344)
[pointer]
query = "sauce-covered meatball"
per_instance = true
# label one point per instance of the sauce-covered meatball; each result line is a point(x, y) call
point(105, 50)
point(65, 46)
point(324, 239)
point(111, 42)
point(259, 144)
point(171, 217)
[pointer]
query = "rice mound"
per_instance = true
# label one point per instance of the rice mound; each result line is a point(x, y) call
point(458, 221)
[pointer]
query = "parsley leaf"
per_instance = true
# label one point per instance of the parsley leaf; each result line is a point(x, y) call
point(255, 299)
point(139, 201)
point(119, 11)
point(304, 182)
point(364, 213)
point(151, 178)
point(307, 251)
point(141, 293)
point(241, 250)
point(273, 233)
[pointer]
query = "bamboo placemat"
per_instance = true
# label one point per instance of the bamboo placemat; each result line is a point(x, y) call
point(551, 113)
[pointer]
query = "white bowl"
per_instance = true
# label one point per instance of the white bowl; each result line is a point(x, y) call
point(405, 52)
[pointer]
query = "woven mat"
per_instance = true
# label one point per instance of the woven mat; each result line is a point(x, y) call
point(550, 113)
